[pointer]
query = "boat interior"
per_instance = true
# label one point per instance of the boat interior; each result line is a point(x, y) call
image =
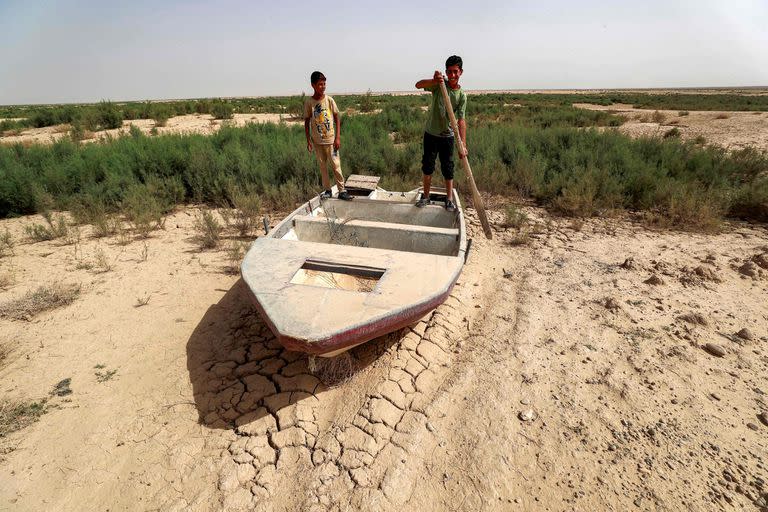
point(378, 219)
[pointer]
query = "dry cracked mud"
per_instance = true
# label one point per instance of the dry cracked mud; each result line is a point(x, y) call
point(557, 376)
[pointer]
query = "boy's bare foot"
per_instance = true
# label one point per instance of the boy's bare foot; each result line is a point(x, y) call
point(344, 195)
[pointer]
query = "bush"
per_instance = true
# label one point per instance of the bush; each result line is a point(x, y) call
point(222, 110)
point(208, 230)
point(247, 213)
point(674, 132)
point(366, 103)
point(108, 116)
point(514, 218)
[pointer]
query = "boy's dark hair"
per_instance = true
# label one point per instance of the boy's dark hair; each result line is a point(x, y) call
point(316, 76)
point(454, 60)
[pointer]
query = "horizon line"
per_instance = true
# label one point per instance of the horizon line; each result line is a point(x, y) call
point(534, 90)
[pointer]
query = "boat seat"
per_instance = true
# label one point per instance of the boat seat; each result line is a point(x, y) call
point(379, 235)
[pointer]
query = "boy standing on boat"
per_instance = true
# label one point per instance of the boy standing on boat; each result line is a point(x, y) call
point(438, 135)
point(321, 118)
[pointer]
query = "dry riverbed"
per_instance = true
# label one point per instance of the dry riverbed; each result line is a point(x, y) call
point(591, 365)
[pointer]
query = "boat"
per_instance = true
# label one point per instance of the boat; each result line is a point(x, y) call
point(334, 274)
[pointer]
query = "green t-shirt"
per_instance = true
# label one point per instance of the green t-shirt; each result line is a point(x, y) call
point(438, 122)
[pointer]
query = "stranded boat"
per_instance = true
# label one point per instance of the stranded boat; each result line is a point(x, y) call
point(335, 274)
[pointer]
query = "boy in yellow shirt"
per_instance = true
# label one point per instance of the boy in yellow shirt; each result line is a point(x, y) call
point(323, 130)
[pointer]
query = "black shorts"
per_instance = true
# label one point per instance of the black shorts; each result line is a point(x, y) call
point(433, 146)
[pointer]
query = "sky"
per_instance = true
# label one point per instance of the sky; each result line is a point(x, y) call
point(86, 51)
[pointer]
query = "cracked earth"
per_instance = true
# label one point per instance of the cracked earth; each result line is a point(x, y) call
point(575, 371)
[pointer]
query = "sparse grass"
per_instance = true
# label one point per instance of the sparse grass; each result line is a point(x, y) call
point(683, 113)
point(101, 260)
point(144, 252)
point(142, 301)
point(514, 217)
point(658, 117)
point(6, 243)
point(722, 116)
point(56, 228)
point(522, 237)
point(700, 140)
point(15, 416)
point(62, 388)
point(44, 298)
point(674, 132)
point(5, 352)
point(207, 230)
point(235, 254)
point(247, 212)
point(104, 376)
point(144, 210)
point(7, 279)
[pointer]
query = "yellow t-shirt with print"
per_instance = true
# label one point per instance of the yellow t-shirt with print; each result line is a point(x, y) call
point(320, 114)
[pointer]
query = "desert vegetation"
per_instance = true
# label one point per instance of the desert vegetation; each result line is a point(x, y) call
point(36, 301)
point(532, 146)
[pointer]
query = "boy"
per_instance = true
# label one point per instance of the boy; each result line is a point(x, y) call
point(321, 117)
point(438, 134)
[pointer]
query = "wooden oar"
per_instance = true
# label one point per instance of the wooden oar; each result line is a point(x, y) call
point(476, 199)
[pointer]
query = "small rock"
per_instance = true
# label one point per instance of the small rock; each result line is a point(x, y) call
point(430, 427)
point(752, 426)
point(654, 280)
point(761, 260)
point(527, 415)
point(748, 269)
point(694, 318)
point(715, 349)
point(745, 334)
point(628, 264)
point(525, 401)
point(763, 416)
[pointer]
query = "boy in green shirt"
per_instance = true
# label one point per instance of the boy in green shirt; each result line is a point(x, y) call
point(323, 130)
point(438, 134)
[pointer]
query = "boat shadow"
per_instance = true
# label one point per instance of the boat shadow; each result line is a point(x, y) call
point(241, 374)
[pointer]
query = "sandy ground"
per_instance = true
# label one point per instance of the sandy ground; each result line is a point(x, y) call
point(556, 377)
point(732, 130)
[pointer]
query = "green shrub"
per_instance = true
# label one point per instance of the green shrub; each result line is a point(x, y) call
point(247, 212)
point(222, 110)
point(366, 103)
point(208, 230)
point(674, 132)
point(108, 116)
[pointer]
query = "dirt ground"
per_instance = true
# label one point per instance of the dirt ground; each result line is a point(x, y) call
point(732, 130)
point(570, 372)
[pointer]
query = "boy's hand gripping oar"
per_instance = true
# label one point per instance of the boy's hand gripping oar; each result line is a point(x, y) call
point(476, 199)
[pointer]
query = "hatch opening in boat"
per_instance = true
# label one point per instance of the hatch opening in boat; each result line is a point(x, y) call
point(339, 276)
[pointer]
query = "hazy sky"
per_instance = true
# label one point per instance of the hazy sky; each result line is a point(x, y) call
point(77, 51)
